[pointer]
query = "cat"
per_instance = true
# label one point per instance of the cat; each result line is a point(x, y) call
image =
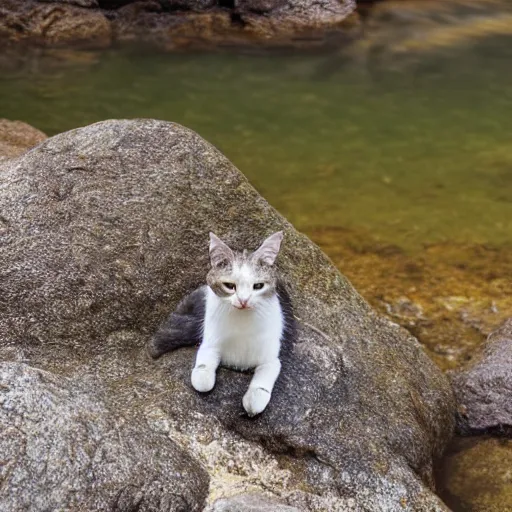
point(240, 317)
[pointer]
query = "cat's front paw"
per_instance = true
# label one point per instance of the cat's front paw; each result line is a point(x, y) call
point(255, 400)
point(203, 379)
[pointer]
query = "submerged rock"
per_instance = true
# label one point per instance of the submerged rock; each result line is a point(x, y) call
point(484, 390)
point(107, 228)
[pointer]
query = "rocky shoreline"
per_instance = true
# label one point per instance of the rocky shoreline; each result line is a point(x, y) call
point(172, 24)
point(389, 33)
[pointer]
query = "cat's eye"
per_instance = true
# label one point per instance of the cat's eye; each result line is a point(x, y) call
point(229, 286)
point(258, 286)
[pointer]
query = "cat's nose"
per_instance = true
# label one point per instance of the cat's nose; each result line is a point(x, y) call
point(243, 303)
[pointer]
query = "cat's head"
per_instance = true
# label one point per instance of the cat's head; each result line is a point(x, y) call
point(246, 279)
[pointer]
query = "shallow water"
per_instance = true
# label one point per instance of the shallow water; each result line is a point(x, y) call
point(415, 155)
point(396, 159)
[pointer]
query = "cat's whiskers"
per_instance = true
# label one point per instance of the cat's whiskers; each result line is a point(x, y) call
point(231, 334)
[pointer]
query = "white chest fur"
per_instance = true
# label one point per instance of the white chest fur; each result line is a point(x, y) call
point(243, 338)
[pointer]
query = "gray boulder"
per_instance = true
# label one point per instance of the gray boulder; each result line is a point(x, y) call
point(62, 449)
point(107, 228)
point(484, 389)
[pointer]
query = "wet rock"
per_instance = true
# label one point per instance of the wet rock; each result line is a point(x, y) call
point(484, 390)
point(476, 475)
point(16, 137)
point(107, 228)
point(63, 449)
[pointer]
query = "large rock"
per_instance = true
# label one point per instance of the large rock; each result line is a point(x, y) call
point(484, 389)
point(64, 450)
point(106, 227)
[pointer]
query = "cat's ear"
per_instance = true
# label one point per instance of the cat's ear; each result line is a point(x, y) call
point(269, 249)
point(220, 253)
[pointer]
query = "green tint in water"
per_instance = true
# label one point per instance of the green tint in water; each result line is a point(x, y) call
point(418, 154)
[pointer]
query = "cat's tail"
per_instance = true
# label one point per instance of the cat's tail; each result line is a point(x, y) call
point(178, 331)
point(183, 328)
